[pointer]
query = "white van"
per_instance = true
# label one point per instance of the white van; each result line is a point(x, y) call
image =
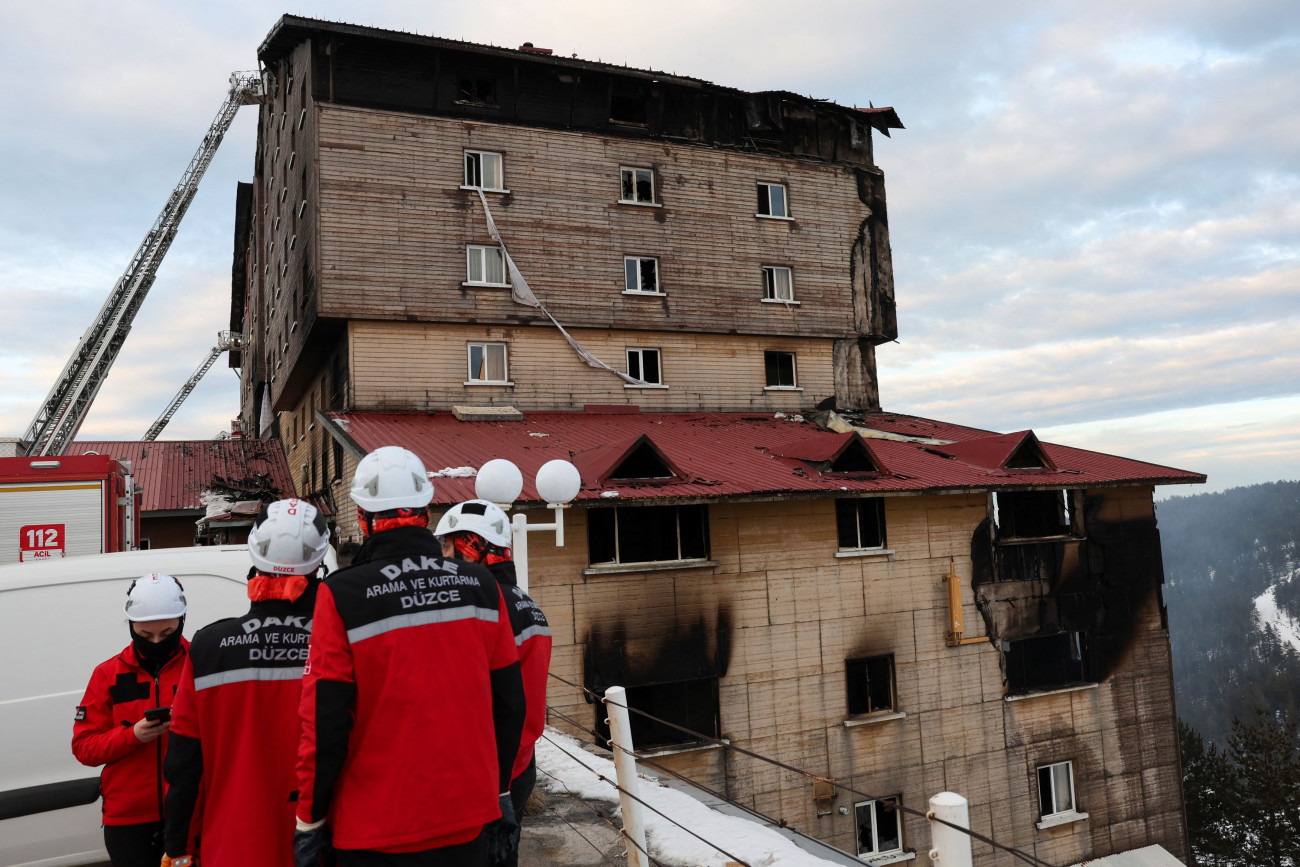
point(58, 620)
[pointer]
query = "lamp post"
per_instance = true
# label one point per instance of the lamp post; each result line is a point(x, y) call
point(557, 483)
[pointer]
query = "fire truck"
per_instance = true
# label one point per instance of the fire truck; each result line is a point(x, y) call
point(55, 507)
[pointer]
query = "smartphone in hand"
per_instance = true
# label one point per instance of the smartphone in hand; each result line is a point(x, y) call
point(158, 714)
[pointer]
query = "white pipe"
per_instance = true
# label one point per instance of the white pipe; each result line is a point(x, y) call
point(620, 732)
point(519, 532)
point(950, 847)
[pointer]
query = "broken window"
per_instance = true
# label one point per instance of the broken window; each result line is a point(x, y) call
point(642, 464)
point(870, 684)
point(690, 704)
point(483, 170)
point(860, 523)
point(779, 367)
point(637, 186)
point(1045, 661)
point(648, 534)
point(771, 201)
point(478, 91)
point(880, 826)
point(487, 363)
point(1033, 514)
point(485, 266)
point(1056, 789)
point(627, 103)
point(777, 283)
point(641, 276)
point(644, 365)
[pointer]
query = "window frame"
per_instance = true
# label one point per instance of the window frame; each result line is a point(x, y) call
point(875, 851)
point(857, 502)
point(639, 260)
point(476, 98)
point(1071, 506)
point(485, 345)
point(891, 674)
point(659, 365)
point(794, 371)
point(1071, 812)
point(481, 249)
point(765, 198)
point(501, 170)
point(770, 285)
point(626, 565)
point(653, 201)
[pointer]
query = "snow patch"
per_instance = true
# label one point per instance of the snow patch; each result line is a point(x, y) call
point(609, 494)
point(560, 771)
point(454, 473)
point(1268, 613)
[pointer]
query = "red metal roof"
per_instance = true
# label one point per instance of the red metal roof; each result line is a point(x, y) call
point(173, 473)
point(721, 455)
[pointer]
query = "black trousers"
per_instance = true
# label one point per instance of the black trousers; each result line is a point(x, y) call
point(471, 854)
point(520, 788)
point(134, 845)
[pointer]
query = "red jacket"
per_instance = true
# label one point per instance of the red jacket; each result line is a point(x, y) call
point(234, 737)
point(533, 640)
point(412, 703)
point(119, 693)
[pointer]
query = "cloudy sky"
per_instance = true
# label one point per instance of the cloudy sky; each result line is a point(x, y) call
point(1095, 207)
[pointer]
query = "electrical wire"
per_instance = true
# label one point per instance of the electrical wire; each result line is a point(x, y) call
point(1011, 850)
point(573, 828)
point(649, 807)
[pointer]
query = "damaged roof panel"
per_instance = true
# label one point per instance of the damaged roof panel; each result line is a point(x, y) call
point(724, 455)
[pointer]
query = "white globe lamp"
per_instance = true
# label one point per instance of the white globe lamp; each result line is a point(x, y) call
point(558, 481)
point(499, 481)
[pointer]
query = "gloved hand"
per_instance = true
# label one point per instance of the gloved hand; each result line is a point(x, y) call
point(179, 861)
point(503, 834)
point(311, 845)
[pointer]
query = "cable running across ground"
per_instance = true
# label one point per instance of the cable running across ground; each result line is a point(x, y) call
point(649, 807)
point(1021, 855)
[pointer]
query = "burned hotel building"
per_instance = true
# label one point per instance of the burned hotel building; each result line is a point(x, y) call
point(759, 551)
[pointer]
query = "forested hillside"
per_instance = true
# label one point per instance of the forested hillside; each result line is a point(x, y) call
point(1222, 552)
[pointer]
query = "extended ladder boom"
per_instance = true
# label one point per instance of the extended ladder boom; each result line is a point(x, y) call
point(224, 341)
point(68, 402)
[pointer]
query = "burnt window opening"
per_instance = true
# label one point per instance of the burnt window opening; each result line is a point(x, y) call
point(644, 365)
point(870, 684)
point(478, 91)
point(854, 459)
point(1040, 562)
point(860, 523)
point(772, 201)
point(880, 826)
point(690, 704)
point(1033, 514)
point(779, 369)
point(637, 186)
point(1045, 662)
point(649, 534)
point(627, 103)
point(1027, 456)
point(643, 463)
point(640, 276)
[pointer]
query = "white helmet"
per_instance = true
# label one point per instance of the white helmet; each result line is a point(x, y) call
point(289, 538)
point(155, 596)
point(476, 516)
point(391, 478)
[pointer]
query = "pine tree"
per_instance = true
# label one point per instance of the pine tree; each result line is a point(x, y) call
point(1209, 791)
point(1266, 785)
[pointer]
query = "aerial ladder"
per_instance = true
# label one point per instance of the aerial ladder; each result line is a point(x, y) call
point(65, 407)
point(225, 341)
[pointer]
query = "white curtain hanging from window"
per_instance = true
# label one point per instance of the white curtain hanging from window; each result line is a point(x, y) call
point(522, 294)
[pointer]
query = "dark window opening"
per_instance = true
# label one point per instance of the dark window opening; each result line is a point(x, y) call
point(627, 103)
point(1056, 789)
point(691, 704)
point(338, 461)
point(144, 545)
point(771, 200)
point(1026, 457)
point(1045, 661)
point(644, 365)
point(880, 827)
point(854, 459)
point(1029, 514)
point(638, 186)
point(1040, 562)
point(860, 523)
point(648, 534)
point(480, 91)
point(642, 463)
point(870, 684)
point(779, 367)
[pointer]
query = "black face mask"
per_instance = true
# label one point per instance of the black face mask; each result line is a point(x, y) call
point(155, 654)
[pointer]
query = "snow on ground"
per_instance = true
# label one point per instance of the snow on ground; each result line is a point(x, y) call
point(1269, 614)
point(560, 768)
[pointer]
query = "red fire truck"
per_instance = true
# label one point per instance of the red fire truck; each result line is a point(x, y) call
point(53, 507)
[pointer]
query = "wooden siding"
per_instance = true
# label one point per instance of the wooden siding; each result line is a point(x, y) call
point(395, 223)
point(401, 365)
point(796, 613)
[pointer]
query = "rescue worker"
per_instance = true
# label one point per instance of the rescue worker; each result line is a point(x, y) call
point(478, 531)
point(412, 702)
point(235, 722)
point(123, 719)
